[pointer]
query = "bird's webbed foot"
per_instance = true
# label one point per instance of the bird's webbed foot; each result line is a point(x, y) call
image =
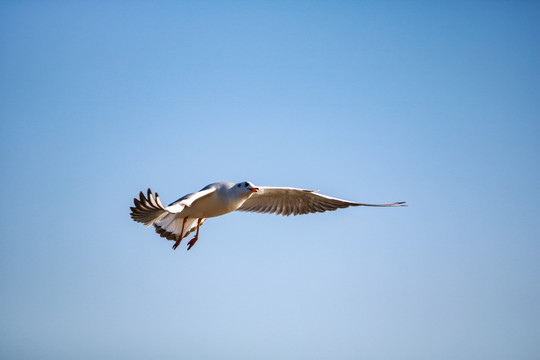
point(177, 243)
point(192, 242)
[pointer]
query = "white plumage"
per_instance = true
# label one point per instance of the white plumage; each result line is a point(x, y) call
point(188, 213)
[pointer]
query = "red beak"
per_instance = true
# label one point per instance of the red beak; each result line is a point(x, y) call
point(254, 189)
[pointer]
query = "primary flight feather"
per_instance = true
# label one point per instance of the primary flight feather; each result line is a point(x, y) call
point(187, 214)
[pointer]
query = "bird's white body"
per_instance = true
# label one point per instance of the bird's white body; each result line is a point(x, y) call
point(213, 200)
point(188, 213)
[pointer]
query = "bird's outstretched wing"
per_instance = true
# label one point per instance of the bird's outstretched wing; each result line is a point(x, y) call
point(286, 201)
point(148, 209)
point(189, 199)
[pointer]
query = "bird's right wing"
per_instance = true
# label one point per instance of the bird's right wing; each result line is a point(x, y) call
point(286, 201)
point(189, 199)
point(148, 209)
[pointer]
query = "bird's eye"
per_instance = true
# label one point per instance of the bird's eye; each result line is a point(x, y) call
point(238, 185)
point(245, 184)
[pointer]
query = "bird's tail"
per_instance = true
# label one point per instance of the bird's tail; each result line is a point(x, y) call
point(170, 226)
point(148, 210)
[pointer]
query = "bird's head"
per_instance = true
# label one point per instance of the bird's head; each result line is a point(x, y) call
point(246, 187)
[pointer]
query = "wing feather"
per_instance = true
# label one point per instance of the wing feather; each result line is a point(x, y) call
point(149, 209)
point(287, 201)
point(189, 199)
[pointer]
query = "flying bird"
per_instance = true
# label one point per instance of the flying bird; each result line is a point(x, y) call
point(187, 214)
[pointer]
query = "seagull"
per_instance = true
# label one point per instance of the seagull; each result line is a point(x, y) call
point(188, 213)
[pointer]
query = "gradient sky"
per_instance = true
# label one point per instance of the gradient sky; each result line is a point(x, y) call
point(434, 103)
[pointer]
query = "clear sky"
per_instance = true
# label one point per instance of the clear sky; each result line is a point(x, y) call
point(434, 103)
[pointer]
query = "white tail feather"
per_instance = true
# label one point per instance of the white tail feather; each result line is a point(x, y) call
point(171, 226)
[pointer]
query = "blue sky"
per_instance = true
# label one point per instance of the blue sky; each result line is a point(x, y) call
point(434, 103)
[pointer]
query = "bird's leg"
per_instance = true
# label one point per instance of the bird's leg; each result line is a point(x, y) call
point(194, 240)
point(180, 236)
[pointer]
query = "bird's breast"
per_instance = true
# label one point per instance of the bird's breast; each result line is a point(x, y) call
point(212, 206)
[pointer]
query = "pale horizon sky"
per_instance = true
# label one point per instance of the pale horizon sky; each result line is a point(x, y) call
point(433, 103)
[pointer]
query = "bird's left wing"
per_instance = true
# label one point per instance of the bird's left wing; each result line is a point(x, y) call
point(286, 201)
